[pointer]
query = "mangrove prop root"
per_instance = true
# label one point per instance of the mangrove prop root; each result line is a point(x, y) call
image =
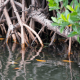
point(23, 28)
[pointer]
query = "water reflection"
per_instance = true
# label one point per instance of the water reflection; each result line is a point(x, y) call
point(28, 64)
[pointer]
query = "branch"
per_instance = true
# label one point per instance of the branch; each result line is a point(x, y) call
point(3, 5)
point(41, 18)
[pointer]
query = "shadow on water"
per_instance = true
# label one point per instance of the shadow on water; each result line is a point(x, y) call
point(38, 63)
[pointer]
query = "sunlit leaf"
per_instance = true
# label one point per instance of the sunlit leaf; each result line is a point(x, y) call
point(68, 16)
point(54, 19)
point(77, 8)
point(70, 8)
point(63, 17)
point(53, 8)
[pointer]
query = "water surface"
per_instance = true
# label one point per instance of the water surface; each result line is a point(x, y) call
point(36, 64)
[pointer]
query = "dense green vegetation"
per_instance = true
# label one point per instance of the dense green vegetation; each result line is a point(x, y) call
point(67, 15)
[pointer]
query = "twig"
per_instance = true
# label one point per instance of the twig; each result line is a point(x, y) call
point(20, 22)
point(24, 40)
point(30, 33)
point(37, 54)
point(12, 18)
point(52, 39)
point(23, 8)
point(69, 50)
point(38, 34)
point(10, 26)
point(3, 5)
point(23, 24)
point(34, 33)
point(17, 37)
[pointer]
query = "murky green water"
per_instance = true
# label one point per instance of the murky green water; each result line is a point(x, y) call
point(35, 64)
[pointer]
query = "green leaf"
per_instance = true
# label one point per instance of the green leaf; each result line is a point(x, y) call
point(63, 17)
point(74, 18)
point(75, 3)
point(79, 14)
point(65, 2)
point(77, 8)
point(78, 28)
point(67, 12)
point(70, 21)
point(78, 39)
point(79, 1)
point(75, 28)
point(77, 24)
point(68, 16)
point(60, 20)
point(73, 13)
point(53, 8)
point(64, 24)
point(70, 8)
point(53, 5)
point(58, 15)
point(73, 33)
point(54, 19)
point(57, 1)
point(71, 3)
point(61, 29)
point(55, 24)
